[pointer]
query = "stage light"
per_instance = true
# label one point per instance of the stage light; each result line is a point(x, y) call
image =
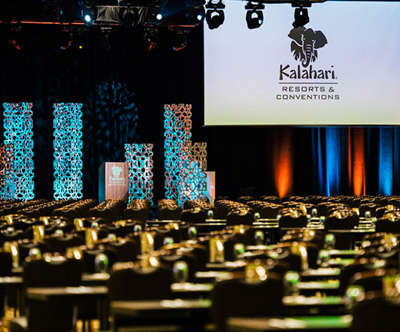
point(151, 38)
point(215, 15)
point(180, 40)
point(154, 16)
point(15, 44)
point(254, 19)
point(300, 17)
point(66, 41)
point(15, 38)
point(254, 15)
point(80, 41)
point(195, 16)
point(215, 18)
point(88, 19)
point(89, 11)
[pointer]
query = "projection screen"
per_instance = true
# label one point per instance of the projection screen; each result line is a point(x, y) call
point(342, 68)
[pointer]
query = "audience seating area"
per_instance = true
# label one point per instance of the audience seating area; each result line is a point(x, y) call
point(308, 263)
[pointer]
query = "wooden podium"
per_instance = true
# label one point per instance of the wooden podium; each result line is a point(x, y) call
point(113, 181)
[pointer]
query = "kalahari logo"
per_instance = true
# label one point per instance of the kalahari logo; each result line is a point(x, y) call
point(305, 44)
point(116, 171)
point(304, 47)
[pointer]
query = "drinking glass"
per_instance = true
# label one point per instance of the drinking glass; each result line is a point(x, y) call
point(101, 263)
point(180, 271)
point(259, 237)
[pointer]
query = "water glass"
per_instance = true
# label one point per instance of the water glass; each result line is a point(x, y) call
point(101, 263)
point(180, 271)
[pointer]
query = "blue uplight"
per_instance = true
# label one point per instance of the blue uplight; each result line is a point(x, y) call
point(385, 161)
point(333, 161)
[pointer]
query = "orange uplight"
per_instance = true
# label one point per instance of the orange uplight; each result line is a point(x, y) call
point(282, 162)
point(358, 162)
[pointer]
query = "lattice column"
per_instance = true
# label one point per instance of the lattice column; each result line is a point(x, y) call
point(68, 151)
point(178, 125)
point(18, 133)
point(140, 163)
point(193, 185)
point(199, 154)
point(6, 175)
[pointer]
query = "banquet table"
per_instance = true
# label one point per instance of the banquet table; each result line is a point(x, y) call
point(306, 323)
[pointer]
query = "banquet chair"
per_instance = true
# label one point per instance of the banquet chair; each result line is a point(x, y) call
point(375, 314)
point(125, 250)
point(51, 315)
point(135, 283)
point(236, 297)
point(5, 270)
point(62, 243)
point(347, 273)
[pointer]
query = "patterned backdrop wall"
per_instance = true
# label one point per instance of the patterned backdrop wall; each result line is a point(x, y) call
point(193, 185)
point(140, 164)
point(68, 144)
point(185, 163)
point(6, 163)
point(18, 133)
point(177, 143)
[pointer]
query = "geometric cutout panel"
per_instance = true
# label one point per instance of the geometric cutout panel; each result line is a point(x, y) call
point(193, 184)
point(68, 145)
point(140, 164)
point(6, 175)
point(18, 134)
point(177, 144)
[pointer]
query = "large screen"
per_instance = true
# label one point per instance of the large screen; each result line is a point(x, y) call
point(342, 68)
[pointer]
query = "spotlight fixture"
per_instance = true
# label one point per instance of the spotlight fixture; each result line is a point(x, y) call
point(151, 38)
point(88, 12)
point(65, 40)
point(195, 16)
point(215, 15)
point(155, 16)
point(15, 38)
point(15, 44)
point(88, 18)
point(80, 40)
point(254, 15)
point(180, 40)
point(300, 17)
